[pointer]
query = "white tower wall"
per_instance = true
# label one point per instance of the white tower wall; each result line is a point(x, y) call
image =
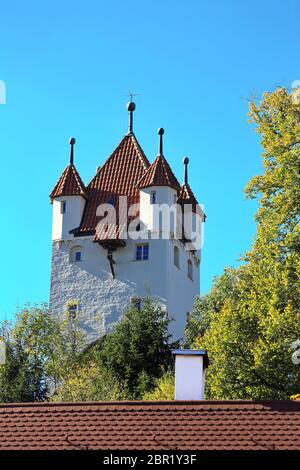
point(103, 299)
point(182, 290)
point(164, 195)
point(63, 222)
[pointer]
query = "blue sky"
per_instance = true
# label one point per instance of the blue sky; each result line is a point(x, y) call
point(195, 64)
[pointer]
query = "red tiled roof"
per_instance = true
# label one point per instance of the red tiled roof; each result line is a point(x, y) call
point(118, 176)
point(159, 174)
point(69, 184)
point(187, 196)
point(203, 425)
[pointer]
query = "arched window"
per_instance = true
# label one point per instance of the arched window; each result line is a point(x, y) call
point(76, 254)
point(176, 256)
point(190, 269)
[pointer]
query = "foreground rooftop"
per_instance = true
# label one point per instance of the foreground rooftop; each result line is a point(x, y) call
point(174, 425)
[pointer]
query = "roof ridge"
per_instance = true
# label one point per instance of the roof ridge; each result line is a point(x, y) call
point(140, 152)
point(77, 175)
point(118, 176)
point(186, 188)
point(149, 403)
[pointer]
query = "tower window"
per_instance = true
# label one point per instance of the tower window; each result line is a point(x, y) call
point(72, 311)
point(63, 206)
point(76, 254)
point(176, 257)
point(153, 198)
point(190, 269)
point(142, 252)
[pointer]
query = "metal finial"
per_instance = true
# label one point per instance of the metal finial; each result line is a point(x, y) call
point(131, 107)
point(160, 132)
point(186, 162)
point(72, 143)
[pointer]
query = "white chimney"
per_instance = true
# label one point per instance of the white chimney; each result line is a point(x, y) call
point(190, 365)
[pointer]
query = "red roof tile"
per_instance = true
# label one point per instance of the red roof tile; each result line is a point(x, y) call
point(124, 173)
point(203, 425)
point(186, 195)
point(118, 176)
point(69, 184)
point(159, 174)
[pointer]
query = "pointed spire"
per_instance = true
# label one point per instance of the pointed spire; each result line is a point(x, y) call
point(72, 143)
point(131, 107)
point(160, 132)
point(185, 162)
point(70, 183)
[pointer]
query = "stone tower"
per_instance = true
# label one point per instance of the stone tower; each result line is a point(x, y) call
point(110, 248)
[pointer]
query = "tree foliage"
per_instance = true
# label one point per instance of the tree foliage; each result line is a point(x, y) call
point(139, 349)
point(89, 380)
point(163, 389)
point(249, 334)
point(209, 305)
point(40, 350)
point(126, 363)
point(49, 358)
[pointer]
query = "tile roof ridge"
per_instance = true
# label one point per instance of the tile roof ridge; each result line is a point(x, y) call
point(166, 403)
point(185, 187)
point(77, 176)
point(139, 150)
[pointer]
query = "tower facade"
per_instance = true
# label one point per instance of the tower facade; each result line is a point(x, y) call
point(115, 240)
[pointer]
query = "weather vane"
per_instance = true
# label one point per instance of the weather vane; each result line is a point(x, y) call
point(131, 95)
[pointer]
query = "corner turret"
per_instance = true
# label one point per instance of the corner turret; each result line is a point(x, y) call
point(68, 198)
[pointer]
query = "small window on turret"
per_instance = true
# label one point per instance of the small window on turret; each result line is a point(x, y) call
point(63, 206)
point(153, 197)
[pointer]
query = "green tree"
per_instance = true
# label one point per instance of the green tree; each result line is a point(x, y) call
point(209, 305)
point(49, 358)
point(163, 389)
point(138, 351)
point(249, 338)
point(40, 351)
point(89, 380)
point(28, 345)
